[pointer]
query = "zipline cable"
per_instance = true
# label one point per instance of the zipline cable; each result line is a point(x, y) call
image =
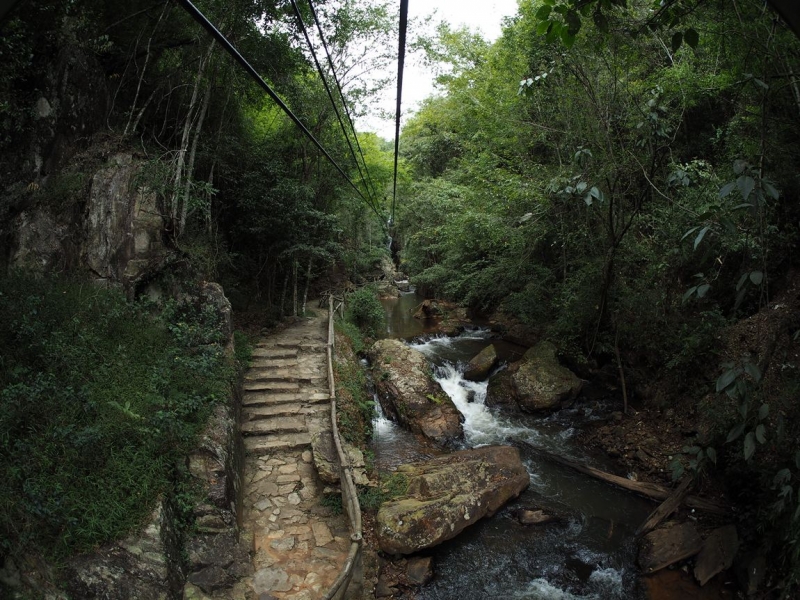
point(217, 35)
point(330, 97)
point(400, 64)
point(341, 94)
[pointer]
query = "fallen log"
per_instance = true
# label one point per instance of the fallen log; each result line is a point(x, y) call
point(653, 491)
point(666, 508)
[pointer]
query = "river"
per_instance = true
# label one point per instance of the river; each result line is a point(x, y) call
point(588, 555)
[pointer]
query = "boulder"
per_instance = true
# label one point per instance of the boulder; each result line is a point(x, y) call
point(668, 545)
point(541, 383)
point(500, 391)
point(326, 459)
point(409, 395)
point(528, 516)
point(479, 367)
point(717, 554)
point(429, 309)
point(447, 494)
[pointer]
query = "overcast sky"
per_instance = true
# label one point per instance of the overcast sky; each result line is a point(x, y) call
point(481, 15)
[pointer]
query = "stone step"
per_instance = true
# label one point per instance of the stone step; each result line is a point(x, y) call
point(261, 352)
point(273, 363)
point(267, 444)
point(277, 375)
point(271, 386)
point(254, 413)
point(274, 425)
point(271, 398)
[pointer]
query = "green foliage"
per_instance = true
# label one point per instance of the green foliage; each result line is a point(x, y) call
point(100, 398)
point(391, 486)
point(365, 310)
point(354, 406)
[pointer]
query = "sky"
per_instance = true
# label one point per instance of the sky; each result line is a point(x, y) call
point(481, 15)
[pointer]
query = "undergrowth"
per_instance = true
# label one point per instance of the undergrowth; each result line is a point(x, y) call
point(355, 408)
point(99, 400)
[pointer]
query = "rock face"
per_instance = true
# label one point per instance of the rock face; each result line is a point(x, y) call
point(447, 494)
point(479, 367)
point(124, 224)
point(541, 383)
point(409, 395)
point(117, 238)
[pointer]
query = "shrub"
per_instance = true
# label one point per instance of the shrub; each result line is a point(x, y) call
point(365, 310)
point(99, 400)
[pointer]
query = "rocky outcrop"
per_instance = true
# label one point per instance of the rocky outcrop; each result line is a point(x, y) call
point(447, 494)
point(409, 395)
point(136, 568)
point(481, 364)
point(124, 224)
point(117, 237)
point(541, 383)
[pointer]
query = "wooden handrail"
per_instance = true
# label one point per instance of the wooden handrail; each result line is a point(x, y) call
point(349, 492)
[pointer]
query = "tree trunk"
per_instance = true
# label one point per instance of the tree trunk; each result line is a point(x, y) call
point(308, 280)
point(283, 293)
point(192, 153)
point(294, 288)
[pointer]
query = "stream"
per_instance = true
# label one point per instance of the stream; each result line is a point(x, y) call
point(589, 555)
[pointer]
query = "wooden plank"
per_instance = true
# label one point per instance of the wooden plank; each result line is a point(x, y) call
point(668, 545)
point(667, 507)
point(649, 490)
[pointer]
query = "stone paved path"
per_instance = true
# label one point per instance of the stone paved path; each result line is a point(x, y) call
point(299, 544)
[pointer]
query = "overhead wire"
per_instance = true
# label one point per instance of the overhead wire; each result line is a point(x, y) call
point(401, 58)
point(198, 16)
point(330, 97)
point(341, 93)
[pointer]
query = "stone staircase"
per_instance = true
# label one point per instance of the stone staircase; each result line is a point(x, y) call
point(299, 544)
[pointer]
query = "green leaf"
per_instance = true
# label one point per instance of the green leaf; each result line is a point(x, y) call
point(760, 83)
point(739, 166)
point(691, 37)
point(761, 433)
point(688, 294)
point(543, 27)
point(742, 279)
point(756, 277)
point(712, 454)
point(690, 232)
point(763, 412)
point(700, 236)
point(600, 21)
point(754, 372)
point(742, 205)
point(573, 23)
point(782, 477)
point(727, 378)
point(544, 12)
point(749, 445)
point(727, 189)
point(677, 40)
point(745, 185)
point(735, 433)
point(567, 38)
point(691, 449)
point(770, 189)
point(702, 290)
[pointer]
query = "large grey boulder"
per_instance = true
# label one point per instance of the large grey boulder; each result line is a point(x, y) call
point(409, 394)
point(481, 364)
point(448, 494)
point(541, 383)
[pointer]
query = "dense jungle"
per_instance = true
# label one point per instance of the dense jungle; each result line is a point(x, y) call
point(619, 177)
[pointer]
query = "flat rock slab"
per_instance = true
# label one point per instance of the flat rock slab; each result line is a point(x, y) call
point(668, 545)
point(448, 494)
point(717, 554)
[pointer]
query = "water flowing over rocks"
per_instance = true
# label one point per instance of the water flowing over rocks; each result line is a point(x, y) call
point(448, 494)
point(409, 394)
